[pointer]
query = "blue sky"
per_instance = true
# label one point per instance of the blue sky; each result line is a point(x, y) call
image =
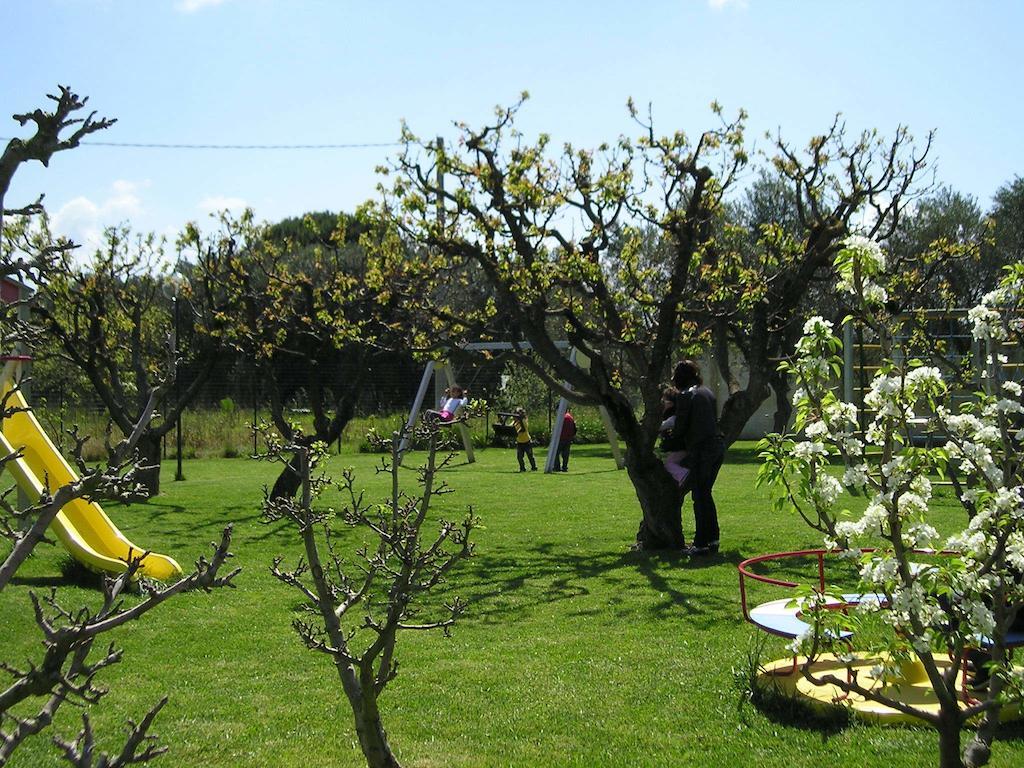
point(338, 72)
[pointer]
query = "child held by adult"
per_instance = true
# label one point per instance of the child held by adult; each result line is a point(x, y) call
point(677, 459)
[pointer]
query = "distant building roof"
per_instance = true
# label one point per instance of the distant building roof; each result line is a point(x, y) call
point(11, 290)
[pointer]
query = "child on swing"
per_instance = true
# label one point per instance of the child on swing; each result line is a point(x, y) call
point(454, 398)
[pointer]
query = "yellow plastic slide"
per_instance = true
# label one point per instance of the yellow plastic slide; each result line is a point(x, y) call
point(82, 526)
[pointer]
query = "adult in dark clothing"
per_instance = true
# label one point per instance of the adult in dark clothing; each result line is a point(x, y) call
point(696, 427)
point(565, 438)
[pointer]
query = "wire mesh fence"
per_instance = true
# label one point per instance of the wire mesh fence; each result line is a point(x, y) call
point(218, 421)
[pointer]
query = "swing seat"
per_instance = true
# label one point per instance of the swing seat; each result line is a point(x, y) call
point(504, 432)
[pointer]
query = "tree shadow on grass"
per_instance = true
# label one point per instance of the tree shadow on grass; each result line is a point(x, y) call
point(792, 712)
point(183, 532)
point(772, 699)
point(514, 470)
point(584, 472)
point(151, 510)
point(1012, 731)
point(39, 581)
point(743, 454)
point(507, 587)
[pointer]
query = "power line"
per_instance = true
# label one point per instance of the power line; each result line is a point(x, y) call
point(138, 145)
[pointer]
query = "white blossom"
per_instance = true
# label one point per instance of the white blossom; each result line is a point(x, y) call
point(972, 544)
point(922, 486)
point(895, 478)
point(980, 616)
point(809, 449)
point(827, 489)
point(910, 504)
point(922, 643)
point(987, 323)
point(839, 412)
point(818, 326)
point(959, 423)
point(875, 515)
point(1009, 406)
point(874, 293)
point(848, 529)
point(1010, 501)
point(879, 571)
point(799, 642)
point(989, 433)
point(883, 389)
point(875, 434)
point(799, 395)
point(856, 476)
point(868, 251)
point(869, 604)
point(924, 379)
point(920, 536)
point(816, 429)
point(980, 456)
point(1015, 551)
point(971, 495)
point(853, 445)
point(895, 470)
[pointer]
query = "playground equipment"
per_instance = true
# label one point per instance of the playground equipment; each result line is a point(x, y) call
point(444, 368)
point(952, 346)
point(82, 527)
point(505, 430)
point(783, 617)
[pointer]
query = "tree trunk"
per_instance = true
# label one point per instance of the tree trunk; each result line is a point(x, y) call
point(660, 501)
point(358, 684)
point(372, 738)
point(949, 740)
point(741, 405)
point(979, 749)
point(783, 405)
point(374, 743)
point(288, 482)
point(149, 454)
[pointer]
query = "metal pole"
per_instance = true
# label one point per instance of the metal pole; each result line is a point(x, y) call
point(440, 183)
point(556, 432)
point(255, 408)
point(549, 410)
point(848, 361)
point(417, 403)
point(179, 475)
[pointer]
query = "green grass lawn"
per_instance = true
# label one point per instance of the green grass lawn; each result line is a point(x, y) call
point(573, 650)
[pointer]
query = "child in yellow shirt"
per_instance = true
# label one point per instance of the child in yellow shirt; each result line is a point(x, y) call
point(524, 444)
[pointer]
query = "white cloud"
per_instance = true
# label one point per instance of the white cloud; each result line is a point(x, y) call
point(83, 220)
point(191, 6)
point(214, 204)
point(720, 4)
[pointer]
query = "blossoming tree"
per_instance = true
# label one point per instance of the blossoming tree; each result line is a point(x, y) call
point(517, 242)
point(943, 598)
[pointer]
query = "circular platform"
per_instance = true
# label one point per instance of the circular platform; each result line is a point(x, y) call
point(784, 617)
point(914, 688)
